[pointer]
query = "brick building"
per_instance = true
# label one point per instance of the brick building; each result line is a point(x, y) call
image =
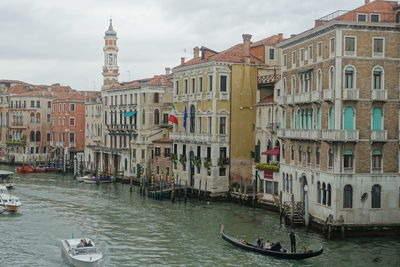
point(340, 117)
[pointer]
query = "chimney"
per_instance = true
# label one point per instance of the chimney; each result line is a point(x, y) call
point(182, 60)
point(196, 52)
point(366, 2)
point(167, 71)
point(246, 48)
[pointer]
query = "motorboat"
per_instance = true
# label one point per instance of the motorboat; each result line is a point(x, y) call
point(99, 180)
point(7, 201)
point(6, 179)
point(84, 256)
point(30, 169)
point(83, 178)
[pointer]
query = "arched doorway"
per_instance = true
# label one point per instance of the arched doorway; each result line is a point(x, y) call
point(304, 197)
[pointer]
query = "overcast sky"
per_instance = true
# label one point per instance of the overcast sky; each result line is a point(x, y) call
point(50, 41)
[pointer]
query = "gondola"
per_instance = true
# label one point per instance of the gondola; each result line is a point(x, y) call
point(267, 252)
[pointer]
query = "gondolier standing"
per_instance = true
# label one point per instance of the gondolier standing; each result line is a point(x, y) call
point(292, 236)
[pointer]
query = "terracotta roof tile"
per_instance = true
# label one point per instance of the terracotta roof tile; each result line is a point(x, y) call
point(157, 80)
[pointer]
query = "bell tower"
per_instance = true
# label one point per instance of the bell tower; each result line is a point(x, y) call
point(110, 68)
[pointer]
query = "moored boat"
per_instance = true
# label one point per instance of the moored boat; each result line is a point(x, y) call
point(30, 169)
point(98, 180)
point(83, 178)
point(7, 201)
point(6, 179)
point(80, 256)
point(268, 252)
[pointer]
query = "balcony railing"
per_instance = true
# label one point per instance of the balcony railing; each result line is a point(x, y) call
point(379, 135)
point(223, 95)
point(72, 144)
point(281, 100)
point(379, 95)
point(307, 134)
point(351, 94)
point(340, 135)
point(191, 137)
point(302, 98)
point(60, 144)
point(289, 99)
point(192, 97)
point(199, 96)
point(209, 95)
point(329, 94)
point(176, 98)
point(184, 97)
point(315, 96)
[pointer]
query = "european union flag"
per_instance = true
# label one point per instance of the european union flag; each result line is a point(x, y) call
point(185, 117)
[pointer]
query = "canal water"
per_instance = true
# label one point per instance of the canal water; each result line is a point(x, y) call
point(135, 231)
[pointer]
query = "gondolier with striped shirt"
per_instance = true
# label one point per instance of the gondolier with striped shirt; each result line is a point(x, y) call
point(292, 236)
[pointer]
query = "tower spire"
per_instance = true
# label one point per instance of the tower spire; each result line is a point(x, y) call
point(110, 68)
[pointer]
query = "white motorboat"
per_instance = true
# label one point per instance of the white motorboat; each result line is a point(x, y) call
point(80, 256)
point(7, 201)
point(83, 178)
point(6, 179)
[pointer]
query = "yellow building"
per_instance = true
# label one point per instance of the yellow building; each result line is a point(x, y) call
point(218, 91)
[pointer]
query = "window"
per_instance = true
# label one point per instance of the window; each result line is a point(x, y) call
point(192, 118)
point(330, 159)
point(48, 104)
point(377, 78)
point(309, 156)
point(332, 46)
point(32, 104)
point(319, 80)
point(176, 88)
point(223, 83)
point(157, 151)
point(349, 77)
point(300, 154)
point(319, 192)
point(134, 154)
point(323, 194)
point(156, 98)
point(348, 121)
point(285, 60)
point(319, 50)
point(283, 151)
point(156, 117)
point(48, 137)
point(200, 84)
point(210, 83)
point(71, 121)
point(361, 17)
point(301, 55)
point(375, 18)
point(348, 159)
point(48, 118)
point(186, 86)
point(378, 47)
point(317, 157)
point(222, 125)
point(143, 152)
point(292, 153)
point(271, 54)
point(209, 125)
point(167, 152)
point(329, 195)
point(193, 85)
point(331, 119)
point(310, 53)
point(348, 197)
point(376, 196)
point(72, 137)
point(376, 160)
point(377, 122)
point(72, 107)
point(38, 104)
point(332, 78)
point(350, 46)
point(293, 59)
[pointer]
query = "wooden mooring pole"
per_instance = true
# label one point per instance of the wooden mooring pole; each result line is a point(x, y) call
point(131, 183)
point(205, 190)
point(280, 207)
point(198, 193)
point(291, 211)
point(186, 189)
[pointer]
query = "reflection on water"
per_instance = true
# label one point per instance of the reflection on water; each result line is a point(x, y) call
point(135, 231)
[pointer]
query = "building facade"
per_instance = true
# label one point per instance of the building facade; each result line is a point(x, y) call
point(340, 117)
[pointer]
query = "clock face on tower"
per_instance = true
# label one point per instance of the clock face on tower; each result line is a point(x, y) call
point(110, 59)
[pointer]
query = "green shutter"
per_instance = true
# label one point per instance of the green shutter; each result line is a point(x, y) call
point(376, 152)
point(348, 152)
point(348, 118)
point(377, 119)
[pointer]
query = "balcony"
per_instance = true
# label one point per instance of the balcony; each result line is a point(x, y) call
point(315, 96)
point(329, 94)
point(379, 95)
point(302, 98)
point(290, 99)
point(379, 135)
point(304, 134)
point(96, 138)
point(176, 98)
point(209, 95)
point(59, 144)
point(281, 100)
point(192, 97)
point(184, 97)
point(223, 96)
point(72, 144)
point(222, 138)
point(340, 135)
point(191, 137)
point(273, 127)
point(199, 96)
point(351, 94)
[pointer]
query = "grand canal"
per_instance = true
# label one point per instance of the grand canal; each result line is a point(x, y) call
point(135, 231)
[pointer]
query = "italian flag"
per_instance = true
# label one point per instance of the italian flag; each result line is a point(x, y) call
point(172, 117)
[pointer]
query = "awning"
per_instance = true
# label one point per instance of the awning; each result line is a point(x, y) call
point(130, 113)
point(303, 71)
point(275, 151)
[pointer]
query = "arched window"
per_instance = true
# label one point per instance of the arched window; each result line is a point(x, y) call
point(331, 118)
point(37, 117)
point(348, 121)
point(299, 121)
point(377, 119)
point(143, 116)
point(329, 195)
point(319, 192)
point(293, 84)
point(32, 117)
point(323, 194)
point(317, 156)
point(156, 117)
point(156, 98)
point(376, 196)
point(319, 118)
point(287, 183)
point(32, 136)
point(332, 78)
point(319, 80)
point(348, 197)
point(291, 184)
point(292, 152)
point(126, 164)
point(348, 159)
point(284, 119)
point(193, 118)
point(377, 78)
point(283, 182)
point(349, 77)
point(283, 151)
point(38, 136)
point(300, 154)
point(330, 158)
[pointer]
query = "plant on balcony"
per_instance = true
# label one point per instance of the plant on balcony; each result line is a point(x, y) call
point(182, 159)
point(15, 143)
point(197, 162)
point(207, 164)
point(174, 158)
point(222, 162)
point(268, 167)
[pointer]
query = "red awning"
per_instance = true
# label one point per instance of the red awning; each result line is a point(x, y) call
point(275, 151)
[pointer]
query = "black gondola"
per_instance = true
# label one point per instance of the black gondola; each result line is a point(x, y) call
point(279, 254)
